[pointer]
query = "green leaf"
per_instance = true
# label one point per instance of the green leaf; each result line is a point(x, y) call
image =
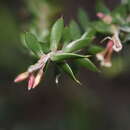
point(119, 14)
point(83, 19)
point(101, 27)
point(80, 43)
point(94, 49)
point(66, 36)
point(85, 62)
point(45, 47)
point(56, 34)
point(100, 7)
point(121, 10)
point(65, 56)
point(74, 30)
point(64, 67)
point(128, 3)
point(33, 44)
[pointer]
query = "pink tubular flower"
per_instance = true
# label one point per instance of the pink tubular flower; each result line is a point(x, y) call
point(105, 55)
point(106, 18)
point(114, 29)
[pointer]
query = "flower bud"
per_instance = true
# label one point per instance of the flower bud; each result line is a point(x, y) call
point(38, 78)
point(21, 77)
point(31, 81)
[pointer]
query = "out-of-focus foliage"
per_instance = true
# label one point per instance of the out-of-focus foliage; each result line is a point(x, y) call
point(9, 41)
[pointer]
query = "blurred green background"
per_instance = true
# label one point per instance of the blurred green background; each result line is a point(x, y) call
point(101, 103)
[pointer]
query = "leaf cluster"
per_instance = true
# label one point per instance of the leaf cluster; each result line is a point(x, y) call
point(65, 44)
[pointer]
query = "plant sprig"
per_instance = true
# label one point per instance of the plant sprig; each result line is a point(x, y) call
point(66, 43)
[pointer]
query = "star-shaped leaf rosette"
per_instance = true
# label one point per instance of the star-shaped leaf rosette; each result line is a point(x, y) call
point(63, 44)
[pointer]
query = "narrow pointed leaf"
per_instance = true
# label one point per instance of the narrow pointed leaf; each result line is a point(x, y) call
point(80, 43)
point(83, 19)
point(66, 36)
point(67, 69)
point(76, 45)
point(56, 34)
point(33, 44)
point(85, 62)
point(65, 56)
point(101, 27)
point(94, 49)
point(74, 30)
